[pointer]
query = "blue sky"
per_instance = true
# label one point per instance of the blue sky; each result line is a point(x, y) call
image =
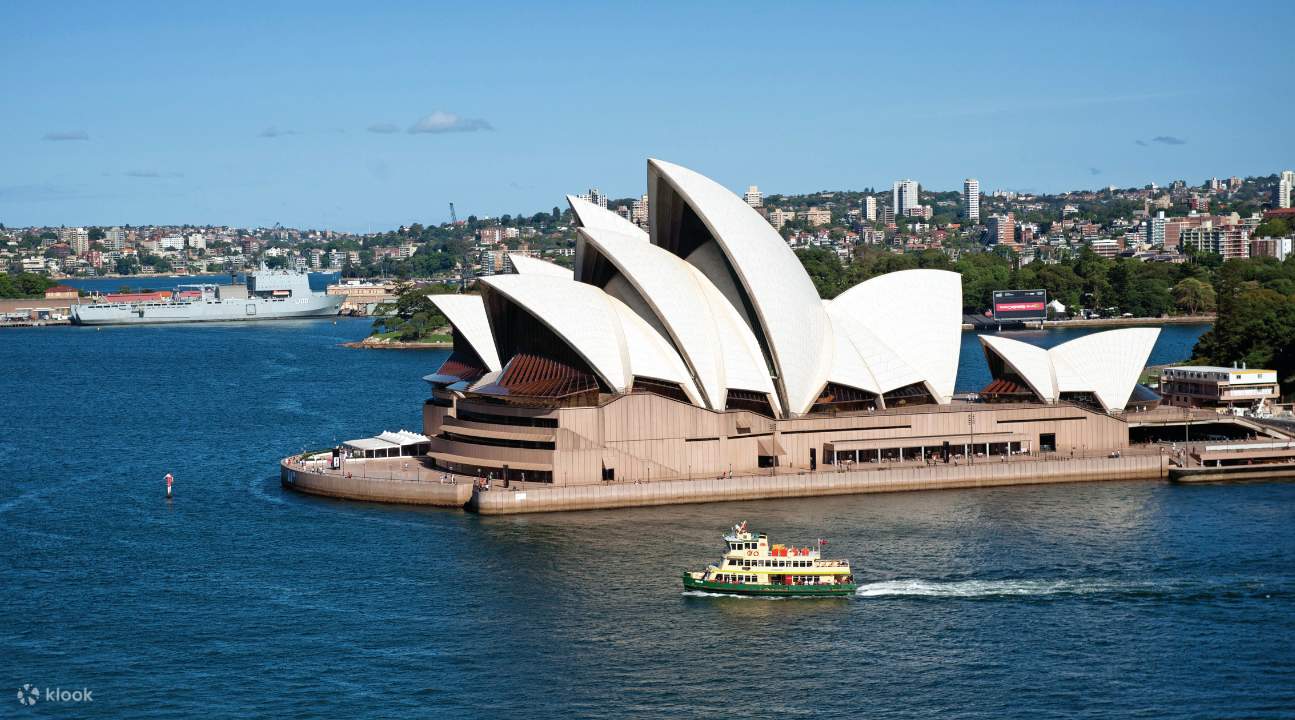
point(301, 113)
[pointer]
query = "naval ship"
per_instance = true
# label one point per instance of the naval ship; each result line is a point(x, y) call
point(267, 295)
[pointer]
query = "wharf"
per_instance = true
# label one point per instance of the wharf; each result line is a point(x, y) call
point(32, 323)
point(411, 481)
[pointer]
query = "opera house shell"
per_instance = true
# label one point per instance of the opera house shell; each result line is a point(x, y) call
point(702, 346)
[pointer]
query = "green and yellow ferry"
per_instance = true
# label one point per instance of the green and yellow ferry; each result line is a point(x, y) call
point(751, 566)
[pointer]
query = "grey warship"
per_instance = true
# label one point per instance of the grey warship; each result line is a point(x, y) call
point(266, 295)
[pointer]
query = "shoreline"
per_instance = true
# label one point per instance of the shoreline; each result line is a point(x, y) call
point(372, 343)
point(991, 326)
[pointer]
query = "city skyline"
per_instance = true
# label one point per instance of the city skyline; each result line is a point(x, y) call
point(313, 118)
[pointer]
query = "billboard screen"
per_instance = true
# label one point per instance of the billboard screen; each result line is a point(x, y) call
point(1020, 304)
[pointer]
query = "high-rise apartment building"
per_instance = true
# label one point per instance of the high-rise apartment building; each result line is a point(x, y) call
point(870, 208)
point(905, 196)
point(1002, 229)
point(1228, 241)
point(77, 238)
point(754, 197)
point(1156, 230)
point(971, 200)
point(594, 196)
point(1285, 187)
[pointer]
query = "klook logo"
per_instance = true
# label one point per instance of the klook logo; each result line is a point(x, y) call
point(29, 695)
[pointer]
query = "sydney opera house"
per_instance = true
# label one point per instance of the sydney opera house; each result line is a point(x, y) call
point(701, 348)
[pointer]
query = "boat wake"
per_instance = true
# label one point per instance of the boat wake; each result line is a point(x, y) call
point(1004, 588)
point(703, 593)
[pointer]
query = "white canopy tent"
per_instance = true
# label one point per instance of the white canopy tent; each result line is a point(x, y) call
point(401, 443)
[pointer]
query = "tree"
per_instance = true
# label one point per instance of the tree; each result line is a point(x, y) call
point(413, 316)
point(1193, 296)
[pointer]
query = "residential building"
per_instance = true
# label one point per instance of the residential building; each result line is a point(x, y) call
point(115, 238)
point(815, 217)
point(1285, 188)
point(1106, 247)
point(1002, 229)
point(639, 213)
point(595, 196)
point(1156, 230)
point(77, 238)
point(971, 200)
point(1278, 248)
point(905, 196)
point(779, 217)
point(870, 208)
point(1229, 241)
point(754, 197)
point(888, 215)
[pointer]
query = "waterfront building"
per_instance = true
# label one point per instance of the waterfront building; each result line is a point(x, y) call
point(1212, 386)
point(703, 348)
point(971, 200)
point(905, 196)
point(754, 197)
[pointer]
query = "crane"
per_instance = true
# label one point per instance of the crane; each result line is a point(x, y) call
point(454, 219)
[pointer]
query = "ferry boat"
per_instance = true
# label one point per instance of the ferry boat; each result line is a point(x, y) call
point(752, 566)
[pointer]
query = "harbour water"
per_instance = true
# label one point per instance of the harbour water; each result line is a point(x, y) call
point(238, 599)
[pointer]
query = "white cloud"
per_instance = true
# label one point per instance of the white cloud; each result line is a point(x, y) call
point(446, 122)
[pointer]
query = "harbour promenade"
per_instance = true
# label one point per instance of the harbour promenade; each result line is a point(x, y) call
point(411, 481)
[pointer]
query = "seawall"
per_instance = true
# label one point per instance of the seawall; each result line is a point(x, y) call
point(1230, 473)
point(763, 487)
point(406, 492)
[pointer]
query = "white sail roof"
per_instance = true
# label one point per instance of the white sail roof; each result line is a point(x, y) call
point(467, 313)
point(1031, 362)
point(651, 355)
point(789, 314)
point(579, 314)
point(917, 316)
point(712, 338)
point(1106, 364)
point(525, 264)
point(862, 360)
